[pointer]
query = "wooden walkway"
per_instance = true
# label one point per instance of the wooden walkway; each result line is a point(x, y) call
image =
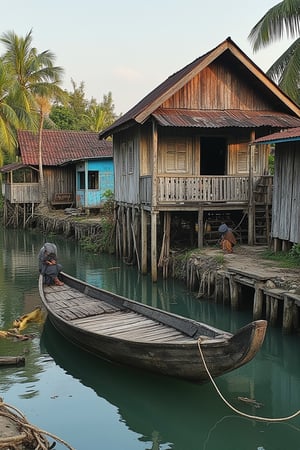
point(99, 317)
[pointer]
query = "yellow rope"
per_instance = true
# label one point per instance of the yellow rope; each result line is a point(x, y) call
point(37, 432)
point(262, 419)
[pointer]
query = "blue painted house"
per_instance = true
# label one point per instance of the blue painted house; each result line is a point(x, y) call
point(77, 166)
point(94, 178)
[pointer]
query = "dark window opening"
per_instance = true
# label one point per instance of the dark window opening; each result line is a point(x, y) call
point(93, 179)
point(213, 151)
point(81, 180)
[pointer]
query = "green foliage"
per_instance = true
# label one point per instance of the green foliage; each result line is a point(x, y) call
point(28, 80)
point(271, 163)
point(282, 19)
point(295, 253)
point(102, 242)
point(285, 259)
point(80, 114)
point(220, 258)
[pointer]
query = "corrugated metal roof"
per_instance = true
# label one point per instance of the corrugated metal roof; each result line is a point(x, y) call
point(223, 119)
point(293, 134)
point(61, 146)
point(11, 167)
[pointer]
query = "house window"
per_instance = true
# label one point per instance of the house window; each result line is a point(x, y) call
point(93, 179)
point(81, 180)
point(176, 157)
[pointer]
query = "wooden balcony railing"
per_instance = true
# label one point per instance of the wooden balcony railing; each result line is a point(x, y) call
point(22, 192)
point(202, 189)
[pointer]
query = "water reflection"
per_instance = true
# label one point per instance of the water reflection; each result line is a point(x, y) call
point(92, 403)
point(178, 414)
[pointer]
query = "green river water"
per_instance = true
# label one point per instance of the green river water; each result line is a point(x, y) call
point(94, 404)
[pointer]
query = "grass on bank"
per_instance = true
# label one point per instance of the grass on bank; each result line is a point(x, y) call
point(290, 259)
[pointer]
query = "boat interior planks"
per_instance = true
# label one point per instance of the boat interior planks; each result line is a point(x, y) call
point(99, 317)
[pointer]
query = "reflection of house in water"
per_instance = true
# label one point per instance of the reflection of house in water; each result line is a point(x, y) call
point(170, 413)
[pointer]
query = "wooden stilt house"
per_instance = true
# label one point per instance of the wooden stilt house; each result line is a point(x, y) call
point(183, 160)
point(77, 169)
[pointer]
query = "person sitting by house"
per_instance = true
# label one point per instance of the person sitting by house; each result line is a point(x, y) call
point(228, 239)
point(48, 265)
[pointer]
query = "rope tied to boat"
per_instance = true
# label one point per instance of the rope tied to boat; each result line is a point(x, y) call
point(249, 416)
point(29, 432)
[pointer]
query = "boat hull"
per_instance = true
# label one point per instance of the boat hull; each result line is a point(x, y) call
point(222, 352)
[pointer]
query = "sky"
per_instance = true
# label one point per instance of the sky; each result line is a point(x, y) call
point(128, 47)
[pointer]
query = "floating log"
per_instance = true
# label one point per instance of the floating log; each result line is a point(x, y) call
point(12, 361)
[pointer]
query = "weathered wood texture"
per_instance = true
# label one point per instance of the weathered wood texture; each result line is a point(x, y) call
point(130, 332)
point(229, 88)
point(286, 205)
point(57, 180)
point(22, 192)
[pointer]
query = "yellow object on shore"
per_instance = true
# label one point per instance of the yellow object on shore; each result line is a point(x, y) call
point(34, 316)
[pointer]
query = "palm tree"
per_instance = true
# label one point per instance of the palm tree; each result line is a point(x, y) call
point(283, 18)
point(36, 83)
point(8, 117)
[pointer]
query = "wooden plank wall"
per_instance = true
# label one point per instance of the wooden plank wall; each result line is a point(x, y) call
point(286, 197)
point(227, 90)
point(126, 180)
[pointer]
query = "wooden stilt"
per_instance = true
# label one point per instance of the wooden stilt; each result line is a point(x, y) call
point(135, 248)
point(268, 307)
point(277, 245)
point(274, 311)
point(234, 293)
point(124, 233)
point(165, 248)
point(129, 235)
point(200, 228)
point(287, 322)
point(226, 290)
point(295, 317)
point(258, 301)
point(144, 241)
point(218, 294)
point(154, 247)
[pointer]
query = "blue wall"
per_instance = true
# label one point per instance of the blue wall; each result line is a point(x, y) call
point(93, 178)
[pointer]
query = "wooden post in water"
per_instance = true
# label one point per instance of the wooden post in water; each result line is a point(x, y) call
point(129, 234)
point(234, 293)
point(144, 241)
point(274, 311)
point(218, 294)
point(200, 228)
point(268, 307)
point(226, 290)
point(258, 301)
point(287, 322)
point(251, 206)
point(154, 247)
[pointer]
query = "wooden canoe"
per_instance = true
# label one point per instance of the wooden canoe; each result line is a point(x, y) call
point(129, 332)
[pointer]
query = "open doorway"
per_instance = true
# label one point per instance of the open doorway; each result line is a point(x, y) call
point(213, 152)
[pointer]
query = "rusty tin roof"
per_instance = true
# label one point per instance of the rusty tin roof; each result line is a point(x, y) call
point(223, 119)
point(292, 134)
point(60, 147)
